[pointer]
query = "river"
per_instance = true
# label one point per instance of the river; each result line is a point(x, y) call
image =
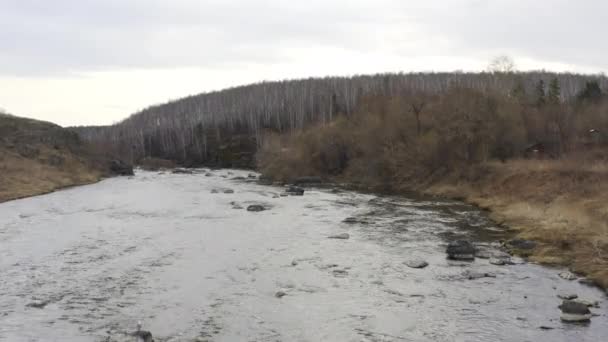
point(176, 253)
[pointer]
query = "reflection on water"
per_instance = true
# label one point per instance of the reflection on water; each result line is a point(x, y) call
point(87, 263)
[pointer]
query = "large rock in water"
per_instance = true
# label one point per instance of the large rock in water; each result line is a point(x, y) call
point(294, 190)
point(573, 311)
point(256, 208)
point(118, 167)
point(461, 250)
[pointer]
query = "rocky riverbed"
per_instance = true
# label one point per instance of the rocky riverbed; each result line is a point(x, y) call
point(182, 253)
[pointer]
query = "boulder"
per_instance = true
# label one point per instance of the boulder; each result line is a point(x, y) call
point(460, 250)
point(256, 208)
point(574, 312)
point(416, 263)
point(294, 190)
point(588, 303)
point(118, 167)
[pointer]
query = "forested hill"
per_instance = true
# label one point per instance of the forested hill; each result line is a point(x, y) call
point(224, 126)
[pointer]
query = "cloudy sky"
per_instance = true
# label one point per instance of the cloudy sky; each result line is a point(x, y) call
point(80, 62)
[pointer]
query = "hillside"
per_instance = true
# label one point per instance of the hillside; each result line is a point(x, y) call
point(226, 127)
point(37, 157)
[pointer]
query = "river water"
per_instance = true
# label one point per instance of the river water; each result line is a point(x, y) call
point(171, 251)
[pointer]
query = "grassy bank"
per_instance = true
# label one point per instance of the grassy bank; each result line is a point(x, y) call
point(559, 204)
point(38, 157)
point(472, 146)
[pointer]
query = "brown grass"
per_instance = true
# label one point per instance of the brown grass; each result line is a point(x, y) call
point(23, 177)
point(560, 204)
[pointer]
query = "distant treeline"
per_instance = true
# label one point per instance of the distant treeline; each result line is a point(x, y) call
point(226, 126)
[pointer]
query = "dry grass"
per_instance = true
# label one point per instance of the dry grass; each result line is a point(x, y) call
point(560, 204)
point(23, 177)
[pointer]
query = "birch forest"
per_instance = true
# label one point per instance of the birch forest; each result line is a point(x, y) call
point(226, 127)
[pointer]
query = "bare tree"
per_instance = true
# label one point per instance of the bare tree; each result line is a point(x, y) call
point(502, 64)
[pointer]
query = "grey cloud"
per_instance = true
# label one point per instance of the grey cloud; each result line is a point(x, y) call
point(41, 37)
point(62, 35)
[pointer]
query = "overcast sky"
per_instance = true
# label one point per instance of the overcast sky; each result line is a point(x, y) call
point(77, 62)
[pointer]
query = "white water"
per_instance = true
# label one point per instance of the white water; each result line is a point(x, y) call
point(163, 249)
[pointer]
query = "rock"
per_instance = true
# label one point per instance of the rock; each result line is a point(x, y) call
point(256, 208)
point(228, 191)
point(521, 244)
point(567, 275)
point(460, 250)
point(574, 312)
point(500, 261)
point(416, 263)
point(239, 178)
point(214, 191)
point(472, 275)
point(182, 171)
point(350, 220)
point(567, 296)
point(588, 303)
point(283, 195)
point(265, 180)
point(546, 327)
point(143, 335)
point(118, 167)
point(280, 294)
point(339, 273)
point(294, 262)
point(295, 190)
point(307, 180)
point(208, 174)
point(236, 206)
point(252, 176)
point(586, 281)
point(38, 304)
point(343, 236)
point(491, 253)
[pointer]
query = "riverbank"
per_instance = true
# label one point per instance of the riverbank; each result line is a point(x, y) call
point(39, 157)
point(557, 204)
point(560, 205)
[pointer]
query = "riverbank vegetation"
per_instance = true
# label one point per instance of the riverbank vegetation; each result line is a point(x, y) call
point(37, 157)
point(536, 159)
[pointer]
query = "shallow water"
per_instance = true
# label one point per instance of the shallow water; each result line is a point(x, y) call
point(163, 249)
